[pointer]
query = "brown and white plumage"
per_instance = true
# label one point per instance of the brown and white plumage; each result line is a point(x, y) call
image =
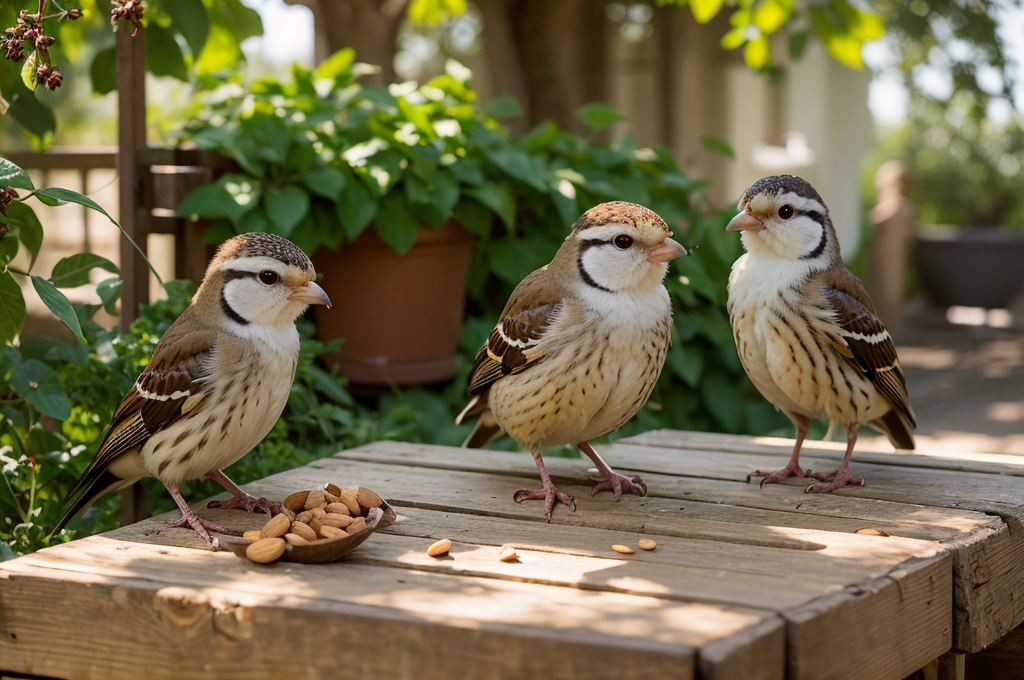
point(580, 343)
point(805, 328)
point(217, 380)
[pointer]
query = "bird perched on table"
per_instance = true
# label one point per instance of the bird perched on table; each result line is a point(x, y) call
point(579, 345)
point(216, 383)
point(805, 328)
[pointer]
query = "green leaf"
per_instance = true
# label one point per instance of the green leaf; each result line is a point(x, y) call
point(503, 108)
point(705, 10)
point(189, 17)
point(221, 52)
point(285, 208)
point(231, 196)
point(337, 64)
point(474, 217)
point(324, 181)
point(499, 198)
point(757, 52)
point(30, 229)
point(242, 21)
point(527, 169)
point(734, 38)
point(433, 12)
point(511, 258)
point(797, 45)
point(356, 208)
point(597, 115)
point(59, 305)
point(718, 145)
point(73, 270)
point(28, 70)
point(34, 115)
point(40, 385)
point(13, 176)
point(395, 222)
point(12, 308)
point(163, 53)
point(103, 71)
point(109, 291)
point(770, 15)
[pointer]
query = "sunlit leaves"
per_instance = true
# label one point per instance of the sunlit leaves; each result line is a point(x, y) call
point(433, 12)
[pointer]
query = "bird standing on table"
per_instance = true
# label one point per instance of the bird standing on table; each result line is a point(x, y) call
point(216, 383)
point(805, 328)
point(579, 345)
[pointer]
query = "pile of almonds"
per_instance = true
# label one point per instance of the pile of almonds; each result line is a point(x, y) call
point(312, 517)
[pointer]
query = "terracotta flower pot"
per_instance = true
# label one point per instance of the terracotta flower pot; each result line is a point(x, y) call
point(400, 315)
point(978, 267)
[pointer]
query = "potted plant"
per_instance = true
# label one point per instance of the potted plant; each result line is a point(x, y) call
point(966, 185)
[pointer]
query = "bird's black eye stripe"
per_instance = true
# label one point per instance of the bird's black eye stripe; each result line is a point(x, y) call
point(268, 276)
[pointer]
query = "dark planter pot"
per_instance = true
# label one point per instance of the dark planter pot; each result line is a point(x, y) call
point(400, 315)
point(977, 267)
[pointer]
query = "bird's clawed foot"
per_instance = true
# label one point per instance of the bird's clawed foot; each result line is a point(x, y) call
point(619, 484)
point(250, 503)
point(836, 480)
point(198, 523)
point(790, 470)
point(549, 494)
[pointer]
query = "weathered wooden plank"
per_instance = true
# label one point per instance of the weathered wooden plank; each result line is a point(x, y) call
point(126, 584)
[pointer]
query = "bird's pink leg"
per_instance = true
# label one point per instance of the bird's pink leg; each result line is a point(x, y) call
point(842, 476)
point(189, 517)
point(612, 479)
point(241, 499)
point(548, 492)
point(792, 468)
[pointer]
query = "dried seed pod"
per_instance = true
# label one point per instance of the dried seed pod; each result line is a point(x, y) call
point(314, 500)
point(624, 549)
point(368, 499)
point(508, 554)
point(276, 527)
point(440, 548)
point(266, 549)
point(330, 532)
point(337, 508)
point(304, 530)
point(647, 544)
point(295, 539)
point(296, 501)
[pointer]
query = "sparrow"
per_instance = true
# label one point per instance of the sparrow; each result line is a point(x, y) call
point(579, 345)
point(216, 383)
point(805, 328)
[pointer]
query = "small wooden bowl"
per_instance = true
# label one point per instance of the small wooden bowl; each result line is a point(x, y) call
point(320, 552)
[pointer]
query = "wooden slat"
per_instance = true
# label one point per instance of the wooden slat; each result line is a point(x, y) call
point(176, 594)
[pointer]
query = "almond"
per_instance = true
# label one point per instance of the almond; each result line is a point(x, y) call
point(253, 535)
point(315, 524)
point(368, 499)
point(508, 554)
point(276, 527)
point(348, 497)
point(296, 501)
point(337, 508)
point(304, 530)
point(440, 548)
point(624, 549)
point(332, 489)
point(357, 525)
point(318, 512)
point(266, 549)
point(303, 517)
point(314, 500)
point(647, 544)
point(335, 520)
point(295, 539)
point(330, 532)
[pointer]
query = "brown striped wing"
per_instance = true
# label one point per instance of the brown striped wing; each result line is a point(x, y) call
point(865, 344)
point(508, 348)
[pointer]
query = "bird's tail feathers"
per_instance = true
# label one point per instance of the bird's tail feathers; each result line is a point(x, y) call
point(897, 429)
point(484, 432)
point(106, 481)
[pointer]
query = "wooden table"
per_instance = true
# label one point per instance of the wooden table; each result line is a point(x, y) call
point(745, 583)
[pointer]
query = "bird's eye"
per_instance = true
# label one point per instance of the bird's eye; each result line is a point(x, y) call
point(786, 211)
point(269, 277)
point(622, 241)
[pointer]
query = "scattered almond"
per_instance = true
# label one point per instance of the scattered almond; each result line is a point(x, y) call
point(253, 535)
point(295, 539)
point(440, 548)
point(868, 531)
point(647, 544)
point(624, 549)
point(314, 500)
point(266, 549)
point(277, 526)
point(338, 509)
point(367, 499)
point(508, 554)
point(304, 530)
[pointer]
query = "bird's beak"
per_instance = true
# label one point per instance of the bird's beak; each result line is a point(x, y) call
point(311, 294)
point(745, 221)
point(669, 250)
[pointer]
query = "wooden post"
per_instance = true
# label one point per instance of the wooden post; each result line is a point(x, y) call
point(131, 139)
point(893, 219)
